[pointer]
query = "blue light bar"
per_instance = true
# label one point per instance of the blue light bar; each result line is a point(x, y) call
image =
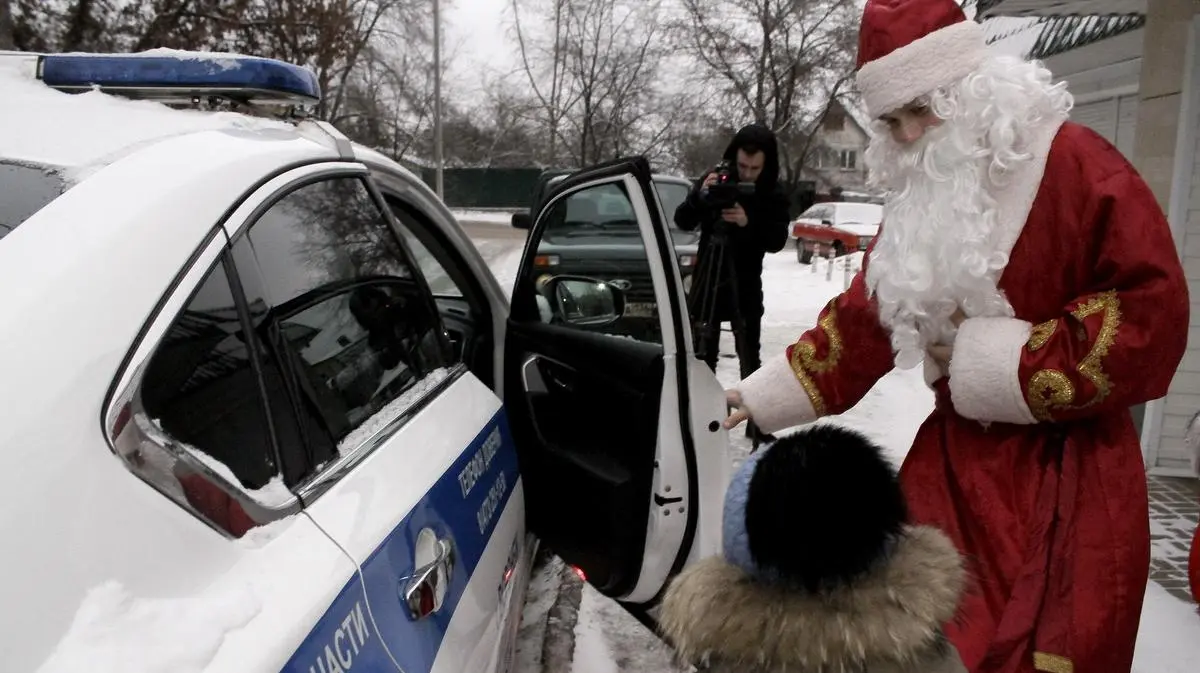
point(182, 76)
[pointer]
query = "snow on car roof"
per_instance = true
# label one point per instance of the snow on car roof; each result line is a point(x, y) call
point(39, 125)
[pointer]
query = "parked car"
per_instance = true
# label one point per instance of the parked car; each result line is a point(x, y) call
point(837, 226)
point(598, 237)
point(265, 407)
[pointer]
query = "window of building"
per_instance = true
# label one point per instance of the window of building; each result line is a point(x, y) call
point(848, 160)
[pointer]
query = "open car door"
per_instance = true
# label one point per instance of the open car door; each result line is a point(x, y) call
point(617, 425)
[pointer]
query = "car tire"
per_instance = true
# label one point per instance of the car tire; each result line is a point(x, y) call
point(803, 254)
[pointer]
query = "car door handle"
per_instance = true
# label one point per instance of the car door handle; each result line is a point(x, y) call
point(425, 591)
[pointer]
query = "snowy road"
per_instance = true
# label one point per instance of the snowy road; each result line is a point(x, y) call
point(605, 639)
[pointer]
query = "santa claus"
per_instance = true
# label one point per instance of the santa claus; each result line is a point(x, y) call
point(1025, 263)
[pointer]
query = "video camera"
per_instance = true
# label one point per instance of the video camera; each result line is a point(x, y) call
point(725, 191)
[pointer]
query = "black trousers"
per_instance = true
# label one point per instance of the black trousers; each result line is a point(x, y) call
point(747, 345)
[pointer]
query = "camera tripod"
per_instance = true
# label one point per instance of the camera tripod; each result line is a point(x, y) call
point(718, 270)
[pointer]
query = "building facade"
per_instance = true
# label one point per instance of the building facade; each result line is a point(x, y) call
point(1136, 81)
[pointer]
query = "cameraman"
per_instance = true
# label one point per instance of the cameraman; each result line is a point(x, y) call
point(757, 224)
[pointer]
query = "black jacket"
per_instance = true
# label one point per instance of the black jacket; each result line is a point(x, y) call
point(767, 231)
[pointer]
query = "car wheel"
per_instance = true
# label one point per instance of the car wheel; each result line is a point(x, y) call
point(803, 254)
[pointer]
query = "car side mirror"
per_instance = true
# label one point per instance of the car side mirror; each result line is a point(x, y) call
point(522, 221)
point(582, 301)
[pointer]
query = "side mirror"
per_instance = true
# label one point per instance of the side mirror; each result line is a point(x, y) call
point(522, 221)
point(582, 301)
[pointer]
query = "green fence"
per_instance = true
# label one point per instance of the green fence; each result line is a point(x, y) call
point(485, 187)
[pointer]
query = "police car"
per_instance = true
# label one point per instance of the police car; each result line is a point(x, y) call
point(265, 408)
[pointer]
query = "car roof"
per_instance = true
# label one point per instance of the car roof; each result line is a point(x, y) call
point(84, 132)
point(81, 275)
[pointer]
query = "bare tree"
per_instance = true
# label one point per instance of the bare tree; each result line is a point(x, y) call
point(593, 75)
point(6, 25)
point(778, 62)
point(544, 64)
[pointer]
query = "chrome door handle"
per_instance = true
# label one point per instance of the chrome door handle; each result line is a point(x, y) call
point(425, 591)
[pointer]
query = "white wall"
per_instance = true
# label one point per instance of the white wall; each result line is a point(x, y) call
point(1183, 400)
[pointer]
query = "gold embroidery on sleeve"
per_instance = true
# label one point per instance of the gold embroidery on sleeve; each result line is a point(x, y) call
point(1052, 663)
point(1091, 367)
point(1050, 389)
point(804, 359)
point(1041, 334)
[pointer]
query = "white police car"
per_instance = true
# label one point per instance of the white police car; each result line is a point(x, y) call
point(263, 407)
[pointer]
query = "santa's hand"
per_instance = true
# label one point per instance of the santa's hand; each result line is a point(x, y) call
point(740, 413)
point(941, 355)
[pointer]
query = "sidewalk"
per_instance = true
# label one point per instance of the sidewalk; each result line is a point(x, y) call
point(1174, 512)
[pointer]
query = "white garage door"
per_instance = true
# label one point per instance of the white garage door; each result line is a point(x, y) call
point(1114, 118)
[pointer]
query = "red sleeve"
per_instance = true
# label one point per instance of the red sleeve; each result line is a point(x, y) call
point(829, 368)
point(1116, 345)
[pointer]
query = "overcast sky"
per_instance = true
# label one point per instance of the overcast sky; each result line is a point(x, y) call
point(479, 45)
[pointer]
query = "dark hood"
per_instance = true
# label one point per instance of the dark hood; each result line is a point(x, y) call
point(764, 139)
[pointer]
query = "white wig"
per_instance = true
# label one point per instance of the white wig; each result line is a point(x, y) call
point(937, 250)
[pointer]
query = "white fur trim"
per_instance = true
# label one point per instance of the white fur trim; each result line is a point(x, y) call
point(916, 69)
point(775, 398)
point(984, 382)
point(1015, 196)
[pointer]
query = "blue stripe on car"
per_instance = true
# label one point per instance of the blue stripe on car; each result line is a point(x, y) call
point(462, 507)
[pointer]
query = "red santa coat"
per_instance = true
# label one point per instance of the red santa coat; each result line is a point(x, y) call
point(1030, 461)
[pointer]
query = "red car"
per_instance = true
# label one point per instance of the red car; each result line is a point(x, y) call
point(843, 226)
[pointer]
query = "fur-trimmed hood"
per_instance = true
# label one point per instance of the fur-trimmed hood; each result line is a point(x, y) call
point(890, 618)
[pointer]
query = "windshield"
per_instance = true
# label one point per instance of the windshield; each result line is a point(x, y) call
point(859, 213)
point(24, 190)
point(670, 195)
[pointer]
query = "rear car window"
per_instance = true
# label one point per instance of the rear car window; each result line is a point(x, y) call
point(24, 190)
point(670, 195)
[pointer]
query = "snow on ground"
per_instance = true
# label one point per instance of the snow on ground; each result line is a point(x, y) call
point(891, 413)
point(502, 217)
point(597, 652)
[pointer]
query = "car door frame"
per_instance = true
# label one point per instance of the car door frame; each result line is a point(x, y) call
point(673, 468)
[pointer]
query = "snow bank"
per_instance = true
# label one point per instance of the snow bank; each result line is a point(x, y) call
point(500, 217)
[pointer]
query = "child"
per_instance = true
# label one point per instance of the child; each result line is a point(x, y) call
point(820, 572)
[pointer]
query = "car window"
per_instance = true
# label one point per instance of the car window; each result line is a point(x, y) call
point(200, 389)
point(440, 281)
point(459, 292)
point(671, 195)
point(859, 213)
point(350, 318)
point(592, 233)
point(24, 190)
point(818, 213)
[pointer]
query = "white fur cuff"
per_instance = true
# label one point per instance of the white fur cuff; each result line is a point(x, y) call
point(917, 69)
point(984, 381)
point(775, 398)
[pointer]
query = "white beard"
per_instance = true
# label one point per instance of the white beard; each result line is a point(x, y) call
point(937, 250)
